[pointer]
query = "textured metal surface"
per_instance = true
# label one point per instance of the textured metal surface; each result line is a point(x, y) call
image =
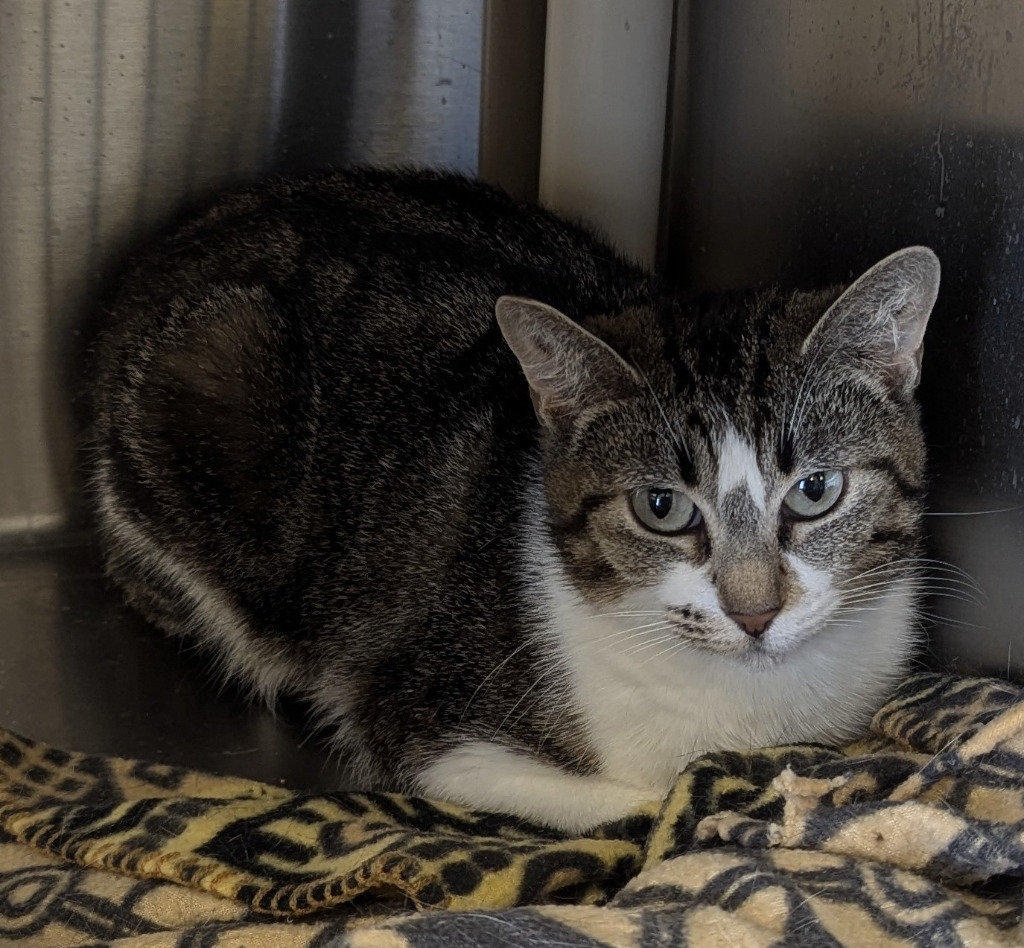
point(603, 132)
point(77, 669)
point(812, 137)
point(512, 95)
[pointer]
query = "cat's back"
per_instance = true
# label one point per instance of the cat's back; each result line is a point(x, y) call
point(396, 231)
point(345, 269)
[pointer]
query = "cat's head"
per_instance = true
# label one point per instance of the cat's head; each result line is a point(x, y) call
point(746, 470)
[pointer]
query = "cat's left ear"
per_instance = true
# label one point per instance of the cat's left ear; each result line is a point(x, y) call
point(568, 368)
point(879, 322)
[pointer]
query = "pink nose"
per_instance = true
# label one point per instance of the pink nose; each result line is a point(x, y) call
point(755, 624)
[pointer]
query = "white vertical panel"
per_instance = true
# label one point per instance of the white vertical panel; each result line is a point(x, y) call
point(605, 92)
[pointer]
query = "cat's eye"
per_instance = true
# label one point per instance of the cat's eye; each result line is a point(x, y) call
point(815, 495)
point(665, 510)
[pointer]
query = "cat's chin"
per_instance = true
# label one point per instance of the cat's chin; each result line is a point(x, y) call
point(761, 654)
point(749, 654)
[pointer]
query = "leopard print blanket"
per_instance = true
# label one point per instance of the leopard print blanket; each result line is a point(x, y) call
point(913, 836)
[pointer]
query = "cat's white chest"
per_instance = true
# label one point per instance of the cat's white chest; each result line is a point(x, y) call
point(649, 706)
point(652, 703)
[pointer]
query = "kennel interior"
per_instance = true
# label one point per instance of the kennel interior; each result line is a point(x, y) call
point(725, 141)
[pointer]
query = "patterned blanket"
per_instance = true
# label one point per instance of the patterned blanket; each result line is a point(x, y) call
point(912, 836)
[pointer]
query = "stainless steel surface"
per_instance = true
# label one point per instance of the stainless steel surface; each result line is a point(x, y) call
point(79, 670)
point(381, 82)
point(114, 115)
point(811, 138)
point(512, 95)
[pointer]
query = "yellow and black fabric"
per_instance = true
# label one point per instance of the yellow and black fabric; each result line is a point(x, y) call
point(913, 836)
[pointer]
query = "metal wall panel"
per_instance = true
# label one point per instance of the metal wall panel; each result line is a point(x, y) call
point(512, 95)
point(813, 137)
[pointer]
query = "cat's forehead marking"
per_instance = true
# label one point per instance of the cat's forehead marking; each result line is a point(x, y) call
point(738, 468)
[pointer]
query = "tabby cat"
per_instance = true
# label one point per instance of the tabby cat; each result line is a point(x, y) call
point(528, 529)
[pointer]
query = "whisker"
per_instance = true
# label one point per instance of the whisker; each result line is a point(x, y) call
point(916, 561)
point(677, 646)
point(631, 632)
point(636, 649)
point(530, 639)
point(913, 585)
point(933, 563)
point(501, 727)
point(923, 586)
point(948, 620)
point(649, 632)
point(925, 593)
point(817, 369)
point(916, 566)
point(973, 513)
point(628, 615)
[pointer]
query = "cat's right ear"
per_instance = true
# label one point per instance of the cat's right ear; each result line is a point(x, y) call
point(568, 368)
point(878, 323)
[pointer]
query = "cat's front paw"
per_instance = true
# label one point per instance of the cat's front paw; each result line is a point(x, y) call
point(487, 776)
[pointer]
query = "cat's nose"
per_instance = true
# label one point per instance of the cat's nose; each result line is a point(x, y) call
point(754, 624)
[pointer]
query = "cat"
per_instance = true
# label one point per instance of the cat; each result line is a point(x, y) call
point(527, 528)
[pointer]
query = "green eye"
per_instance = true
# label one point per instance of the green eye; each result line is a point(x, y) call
point(815, 495)
point(665, 510)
